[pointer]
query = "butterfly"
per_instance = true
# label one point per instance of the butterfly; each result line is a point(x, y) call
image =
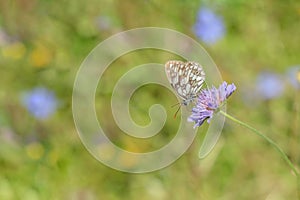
point(186, 78)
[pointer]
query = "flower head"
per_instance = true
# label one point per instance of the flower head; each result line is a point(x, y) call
point(209, 101)
point(40, 102)
point(269, 85)
point(209, 26)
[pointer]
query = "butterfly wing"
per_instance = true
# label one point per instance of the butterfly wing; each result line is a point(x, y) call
point(186, 78)
point(195, 77)
point(172, 69)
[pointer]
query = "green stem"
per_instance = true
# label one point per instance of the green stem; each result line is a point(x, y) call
point(281, 152)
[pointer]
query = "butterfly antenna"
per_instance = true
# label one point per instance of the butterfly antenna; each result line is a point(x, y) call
point(177, 112)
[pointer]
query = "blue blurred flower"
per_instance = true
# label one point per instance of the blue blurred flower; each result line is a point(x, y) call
point(40, 102)
point(293, 75)
point(209, 26)
point(209, 101)
point(269, 85)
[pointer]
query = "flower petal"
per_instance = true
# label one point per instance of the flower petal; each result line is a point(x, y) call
point(209, 100)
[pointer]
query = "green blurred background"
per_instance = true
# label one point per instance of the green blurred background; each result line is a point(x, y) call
point(42, 46)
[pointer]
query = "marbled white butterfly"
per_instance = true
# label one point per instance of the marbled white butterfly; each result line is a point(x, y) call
point(186, 78)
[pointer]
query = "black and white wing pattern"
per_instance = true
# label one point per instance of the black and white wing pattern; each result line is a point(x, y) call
point(186, 78)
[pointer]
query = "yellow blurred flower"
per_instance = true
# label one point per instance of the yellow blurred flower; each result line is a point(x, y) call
point(14, 50)
point(40, 56)
point(130, 145)
point(34, 150)
point(126, 160)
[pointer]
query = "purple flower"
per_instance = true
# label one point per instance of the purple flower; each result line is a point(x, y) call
point(269, 85)
point(40, 102)
point(209, 101)
point(293, 75)
point(209, 26)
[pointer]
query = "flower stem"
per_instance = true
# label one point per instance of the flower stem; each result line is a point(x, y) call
point(281, 152)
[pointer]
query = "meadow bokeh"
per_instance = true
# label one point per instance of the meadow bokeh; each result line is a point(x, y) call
point(255, 45)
